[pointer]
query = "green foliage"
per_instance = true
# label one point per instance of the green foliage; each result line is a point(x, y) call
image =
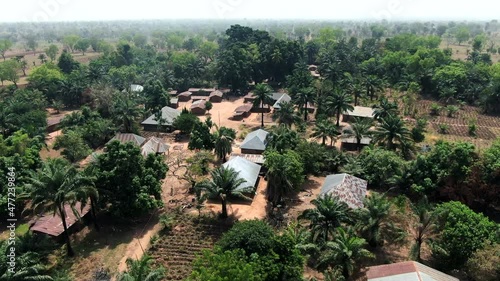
point(66, 63)
point(130, 183)
point(417, 132)
point(373, 219)
point(155, 95)
point(253, 237)
point(201, 137)
point(8, 71)
point(52, 51)
point(5, 45)
point(392, 133)
point(484, 264)
point(46, 78)
point(82, 45)
point(74, 148)
point(223, 139)
point(282, 138)
point(452, 110)
point(23, 110)
point(142, 269)
point(314, 157)
point(381, 168)
point(462, 233)
point(208, 106)
point(462, 34)
point(472, 128)
point(185, 122)
point(285, 174)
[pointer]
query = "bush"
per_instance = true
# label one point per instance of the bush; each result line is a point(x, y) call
point(443, 129)
point(435, 109)
point(417, 133)
point(253, 236)
point(472, 128)
point(484, 264)
point(452, 110)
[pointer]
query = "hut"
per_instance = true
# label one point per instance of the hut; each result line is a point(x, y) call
point(185, 96)
point(346, 188)
point(198, 107)
point(255, 142)
point(215, 96)
point(168, 115)
point(242, 111)
point(351, 143)
point(359, 112)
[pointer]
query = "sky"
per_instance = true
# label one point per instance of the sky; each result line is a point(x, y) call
point(391, 10)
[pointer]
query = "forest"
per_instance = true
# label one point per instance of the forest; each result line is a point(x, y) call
point(432, 165)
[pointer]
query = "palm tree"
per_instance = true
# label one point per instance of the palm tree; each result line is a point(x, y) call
point(329, 214)
point(55, 186)
point(373, 217)
point(338, 103)
point(223, 145)
point(372, 84)
point(423, 227)
point(346, 251)
point(391, 130)
point(302, 100)
point(321, 131)
point(126, 112)
point(225, 182)
point(360, 129)
point(286, 114)
point(384, 109)
point(33, 272)
point(333, 133)
point(352, 85)
point(262, 94)
point(140, 270)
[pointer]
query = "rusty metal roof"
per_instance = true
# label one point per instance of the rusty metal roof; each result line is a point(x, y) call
point(52, 224)
point(406, 271)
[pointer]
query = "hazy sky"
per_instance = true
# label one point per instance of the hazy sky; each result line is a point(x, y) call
point(77, 10)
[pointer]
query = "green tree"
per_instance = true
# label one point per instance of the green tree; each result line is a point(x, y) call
point(224, 138)
point(462, 34)
point(338, 103)
point(70, 41)
point(56, 185)
point(284, 175)
point(47, 79)
point(185, 122)
point(417, 132)
point(346, 251)
point(253, 237)
point(74, 148)
point(126, 112)
point(384, 109)
point(225, 183)
point(329, 214)
point(360, 129)
point(285, 114)
point(5, 45)
point(381, 168)
point(66, 63)
point(8, 71)
point(200, 137)
point(373, 218)
point(423, 227)
point(82, 45)
point(262, 94)
point(156, 96)
point(302, 100)
point(484, 264)
point(321, 130)
point(282, 138)
point(462, 233)
point(392, 132)
point(52, 52)
point(209, 106)
point(31, 43)
point(142, 270)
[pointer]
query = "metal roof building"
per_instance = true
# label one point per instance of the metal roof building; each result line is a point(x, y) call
point(255, 142)
point(133, 138)
point(154, 146)
point(359, 111)
point(52, 224)
point(346, 188)
point(167, 113)
point(406, 271)
point(282, 99)
point(248, 171)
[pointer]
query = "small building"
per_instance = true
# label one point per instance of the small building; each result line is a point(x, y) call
point(255, 142)
point(194, 90)
point(249, 98)
point(173, 93)
point(185, 96)
point(174, 102)
point(51, 224)
point(134, 88)
point(125, 138)
point(207, 91)
point(216, 96)
point(242, 111)
point(198, 107)
point(53, 124)
point(154, 146)
point(247, 170)
point(351, 143)
point(266, 108)
point(359, 112)
point(284, 98)
point(406, 271)
point(254, 158)
point(168, 115)
point(346, 188)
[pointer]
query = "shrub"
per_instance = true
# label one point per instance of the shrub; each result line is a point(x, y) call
point(472, 128)
point(452, 110)
point(484, 264)
point(436, 109)
point(253, 236)
point(443, 129)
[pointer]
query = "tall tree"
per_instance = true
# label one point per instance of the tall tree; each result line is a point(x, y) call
point(392, 132)
point(373, 218)
point(56, 186)
point(225, 182)
point(302, 99)
point(126, 112)
point(338, 103)
point(285, 174)
point(66, 63)
point(286, 114)
point(5, 45)
point(262, 94)
point(141, 270)
point(384, 109)
point(329, 213)
point(224, 138)
point(52, 51)
point(321, 131)
point(423, 227)
point(359, 129)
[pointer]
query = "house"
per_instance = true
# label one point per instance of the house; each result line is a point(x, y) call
point(254, 158)
point(406, 271)
point(215, 96)
point(351, 143)
point(185, 96)
point(249, 98)
point(284, 98)
point(346, 188)
point(154, 146)
point(359, 112)
point(198, 107)
point(194, 90)
point(173, 93)
point(174, 102)
point(255, 142)
point(52, 224)
point(207, 91)
point(53, 123)
point(242, 111)
point(168, 114)
point(125, 138)
point(148, 146)
point(136, 88)
point(247, 170)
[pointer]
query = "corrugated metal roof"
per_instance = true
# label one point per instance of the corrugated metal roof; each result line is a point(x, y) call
point(198, 104)
point(244, 108)
point(52, 224)
point(216, 93)
point(167, 113)
point(406, 271)
point(284, 98)
point(346, 188)
point(185, 94)
point(136, 88)
point(133, 138)
point(154, 146)
point(248, 171)
point(361, 111)
point(255, 158)
point(364, 141)
point(255, 140)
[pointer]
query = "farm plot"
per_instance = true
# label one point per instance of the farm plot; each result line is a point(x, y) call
point(177, 249)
